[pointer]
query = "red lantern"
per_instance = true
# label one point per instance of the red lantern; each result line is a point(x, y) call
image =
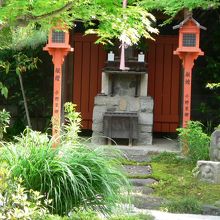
point(58, 47)
point(188, 51)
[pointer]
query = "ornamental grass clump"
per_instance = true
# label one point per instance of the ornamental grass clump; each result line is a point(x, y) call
point(72, 175)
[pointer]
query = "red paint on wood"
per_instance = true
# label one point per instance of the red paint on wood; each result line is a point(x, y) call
point(77, 74)
point(163, 69)
point(58, 50)
point(188, 50)
point(164, 83)
point(89, 59)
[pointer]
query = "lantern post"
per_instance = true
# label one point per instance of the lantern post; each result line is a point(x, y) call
point(58, 47)
point(188, 51)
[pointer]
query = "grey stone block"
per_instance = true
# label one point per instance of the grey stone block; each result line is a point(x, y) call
point(144, 139)
point(134, 170)
point(145, 118)
point(215, 146)
point(98, 112)
point(123, 104)
point(211, 210)
point(133, 104)
point(208, 171)
point(106, 100)
point(145, 128)
point(98, 138)
point(97, 127)
point(146, 104)
point(143, 182)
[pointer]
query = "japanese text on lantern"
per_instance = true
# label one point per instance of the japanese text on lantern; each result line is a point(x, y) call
point(57, 92)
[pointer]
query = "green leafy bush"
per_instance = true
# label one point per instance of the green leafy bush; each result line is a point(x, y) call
point(72, 175)
point(4, 122)
point(194, 142)
point(18, 203)
point(167, 158)
point(185, 205)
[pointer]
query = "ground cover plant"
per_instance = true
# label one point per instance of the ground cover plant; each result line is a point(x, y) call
point(194, 142)
point(178, 184)
point(72, 175)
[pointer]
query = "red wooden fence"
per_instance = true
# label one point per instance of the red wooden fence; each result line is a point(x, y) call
point(89, 59)
point(164, 83)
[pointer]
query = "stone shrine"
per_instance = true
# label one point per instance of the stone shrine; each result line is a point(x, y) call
point(209, 171)
point(215, 146)
point(123, 110)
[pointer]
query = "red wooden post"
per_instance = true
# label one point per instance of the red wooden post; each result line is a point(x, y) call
point(188, 51)
point(58, 47)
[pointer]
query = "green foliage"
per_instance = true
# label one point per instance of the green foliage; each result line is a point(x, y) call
point(172, 7)
point(24, 63)
point(4, 122)
point(185, 205)
point(206, 73)
point(76, 215)
point(72, 124)
point(177, 181)
point(27, 18)
point(18, 203)
point(71, 175)
point(30, 20)
point(167, 158)
point(84, 215)
point(194, 142)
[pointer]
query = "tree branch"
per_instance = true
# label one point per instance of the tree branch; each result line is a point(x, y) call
point(23, 21)
point(52, 13)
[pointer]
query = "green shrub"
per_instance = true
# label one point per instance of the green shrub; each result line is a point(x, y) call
point(194, 142)
point(72, 124)
point(185, 205)
point(76, 215)
point(18, 203)
point(72, 175)
point(4, 122)
point(167, 158)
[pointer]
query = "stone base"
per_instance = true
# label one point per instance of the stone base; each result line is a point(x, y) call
point(98, 138)
point(209, 171)
point(143, 106)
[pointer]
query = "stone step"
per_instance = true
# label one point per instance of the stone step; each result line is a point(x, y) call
point(145, 153)
point(137, 171)
point(147, 201)
point(142, 182)
point(141, 190)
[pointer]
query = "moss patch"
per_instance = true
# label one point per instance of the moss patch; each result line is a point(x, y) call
point(176, 181)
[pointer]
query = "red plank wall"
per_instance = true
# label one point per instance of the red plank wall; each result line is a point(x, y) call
point(89, 59)
point(164, 83)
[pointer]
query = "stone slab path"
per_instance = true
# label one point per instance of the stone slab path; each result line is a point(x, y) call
point(171, 216)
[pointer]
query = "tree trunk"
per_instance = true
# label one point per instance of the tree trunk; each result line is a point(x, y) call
point(25, 101)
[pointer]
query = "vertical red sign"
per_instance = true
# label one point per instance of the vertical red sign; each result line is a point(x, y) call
point(57, 101)
point(187, 97)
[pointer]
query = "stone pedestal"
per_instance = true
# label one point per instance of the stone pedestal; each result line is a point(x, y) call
point(142, 105)
point(209, 171)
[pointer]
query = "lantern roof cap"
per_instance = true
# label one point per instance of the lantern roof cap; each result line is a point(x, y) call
point(186, 20)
